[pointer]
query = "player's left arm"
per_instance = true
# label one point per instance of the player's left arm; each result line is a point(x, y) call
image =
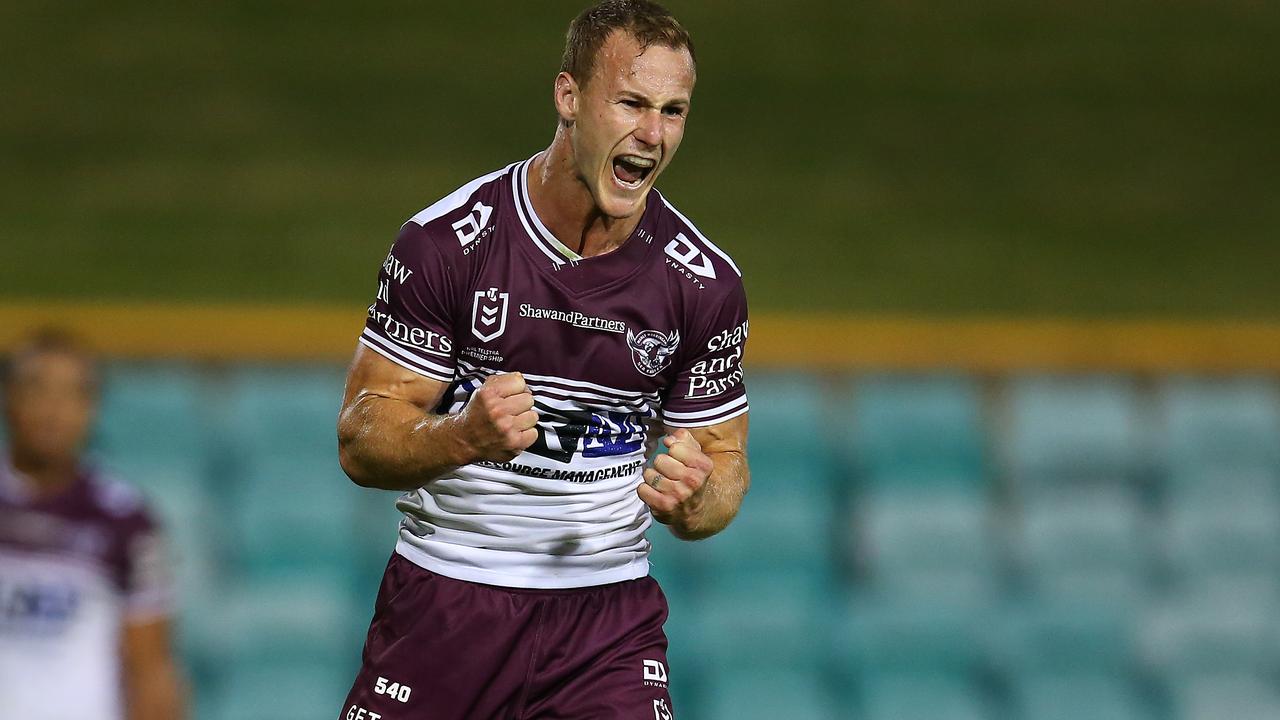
point(697, 486)
point(152, 681)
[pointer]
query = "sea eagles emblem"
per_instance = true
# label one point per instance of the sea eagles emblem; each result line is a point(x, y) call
point(651, 350)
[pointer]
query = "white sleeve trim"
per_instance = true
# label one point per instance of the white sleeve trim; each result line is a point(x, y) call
point(406, 364)
point(404, 354)
point(704, 423)
point(732, 404)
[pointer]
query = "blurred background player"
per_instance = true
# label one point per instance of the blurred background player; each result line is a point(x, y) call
point(84, 598)
point(529, 331)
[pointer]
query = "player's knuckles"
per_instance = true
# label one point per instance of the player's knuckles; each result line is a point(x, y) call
point(658, 502)
point(682, 452)
point(527, 420)
point(693, 480)
point(512, 383)
point(503, 423)
point(689, 455)
point(667, 465)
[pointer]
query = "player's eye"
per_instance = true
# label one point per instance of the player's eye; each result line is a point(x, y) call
point(674, 111)
point(631, 103)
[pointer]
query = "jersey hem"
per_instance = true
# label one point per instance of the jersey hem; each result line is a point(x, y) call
point(422, 559)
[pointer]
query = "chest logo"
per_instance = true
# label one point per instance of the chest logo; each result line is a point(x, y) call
point(651, 351)
point(489, 314)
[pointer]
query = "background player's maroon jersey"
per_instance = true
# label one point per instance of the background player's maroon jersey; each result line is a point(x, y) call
point(611, 346)
point(74, 568)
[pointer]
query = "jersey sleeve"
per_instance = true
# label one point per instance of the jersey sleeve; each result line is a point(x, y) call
point(409, 322)
point(147, 579)
point(709, 387)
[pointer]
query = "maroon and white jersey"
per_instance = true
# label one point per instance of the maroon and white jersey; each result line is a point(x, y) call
point(612, 347)
point(74, 568)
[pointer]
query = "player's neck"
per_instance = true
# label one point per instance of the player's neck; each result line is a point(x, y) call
point(565, 206)
point(44, 477)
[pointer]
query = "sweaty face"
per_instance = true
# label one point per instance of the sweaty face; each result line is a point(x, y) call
point(49, 406)
point(630, 120)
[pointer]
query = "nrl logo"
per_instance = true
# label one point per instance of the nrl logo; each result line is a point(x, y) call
point(489, 314)
point(651, 351)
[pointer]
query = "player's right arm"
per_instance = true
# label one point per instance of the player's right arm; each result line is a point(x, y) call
point(389, 438)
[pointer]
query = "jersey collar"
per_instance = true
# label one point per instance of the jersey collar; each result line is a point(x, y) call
point(556, 251)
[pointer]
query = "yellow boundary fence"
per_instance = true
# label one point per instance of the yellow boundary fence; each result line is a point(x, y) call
point(813, 341)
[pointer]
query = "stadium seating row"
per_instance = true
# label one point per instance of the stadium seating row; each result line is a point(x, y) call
point(913, 546)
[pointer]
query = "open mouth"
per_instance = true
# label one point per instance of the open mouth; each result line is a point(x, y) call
point(631, 170)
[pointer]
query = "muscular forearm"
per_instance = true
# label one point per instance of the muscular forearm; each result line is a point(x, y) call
point(720, 498)
point(393, 445)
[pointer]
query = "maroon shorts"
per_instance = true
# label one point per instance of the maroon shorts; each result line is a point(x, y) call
point(445, 649)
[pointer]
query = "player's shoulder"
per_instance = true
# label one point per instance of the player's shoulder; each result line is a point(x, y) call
point(457, 222)
point(688, 252)
point(117, 500)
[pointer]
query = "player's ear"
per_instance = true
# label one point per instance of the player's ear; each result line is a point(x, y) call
point(566, 97)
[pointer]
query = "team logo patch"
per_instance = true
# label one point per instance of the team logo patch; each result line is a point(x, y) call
point(489, 314)
point(661, 710)
point(651, 351)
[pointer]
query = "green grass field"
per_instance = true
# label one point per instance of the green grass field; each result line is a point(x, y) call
point(1076, 158)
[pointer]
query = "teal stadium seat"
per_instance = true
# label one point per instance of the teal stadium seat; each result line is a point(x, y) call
point(920, 543)
point(291, 617)
point(302, 690)
point(155, 413)
point(1231, 696)
point(1068, 660)
point(924, 430)
point(917, 696)
point(766, 693)
point(299, 513)
point(1231, 539)
point(1090, 542)
point(1221, 427)
point(941, 635)
point(765, 621)
point(284, 411)
point(1066, 637)
point(768, 582)
point(1217, 632)
point(1068, 431)
point(790, 423)
point(1091, 697)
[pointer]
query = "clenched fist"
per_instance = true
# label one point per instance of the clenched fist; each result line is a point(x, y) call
point(672, 487)
point(499, 421)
